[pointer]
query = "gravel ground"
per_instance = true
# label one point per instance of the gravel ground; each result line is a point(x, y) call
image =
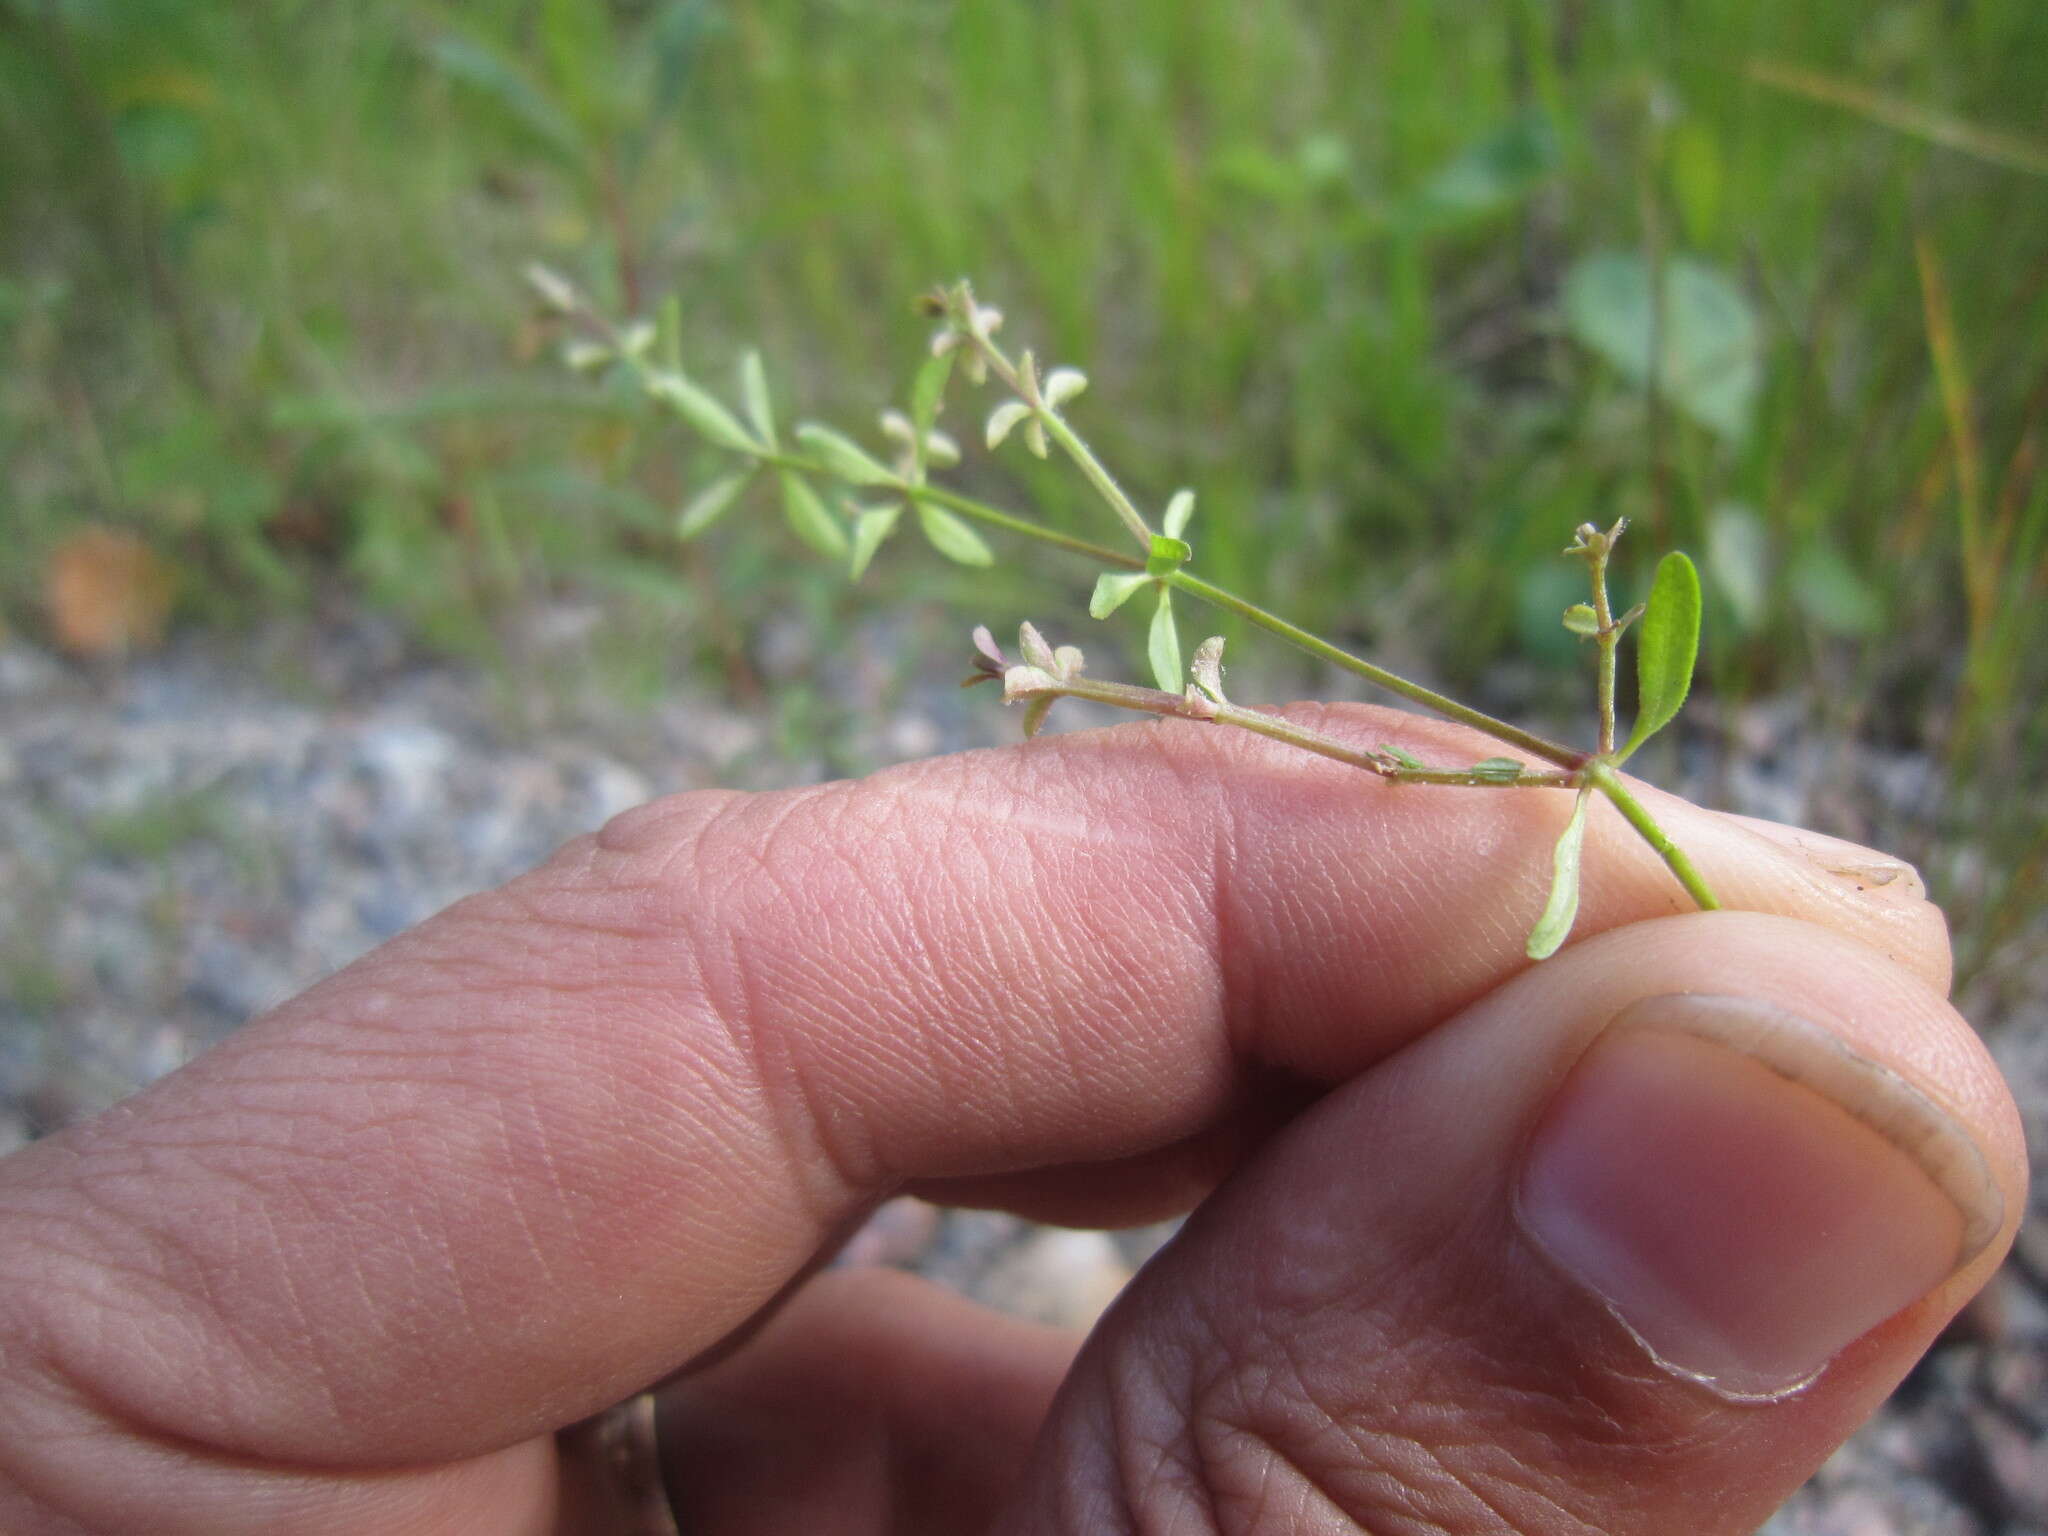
point(185, 844)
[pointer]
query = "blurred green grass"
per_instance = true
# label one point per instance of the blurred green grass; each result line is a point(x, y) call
point(1372, 276)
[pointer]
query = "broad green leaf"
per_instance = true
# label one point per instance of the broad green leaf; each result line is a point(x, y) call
point(1167, 555)
point(1112, 590)
point(1830, 592)
point(1667, 645)
point(811, 519)
point(1709, 343)
point(952, 536)
point(702, 411)
point(754, 391)
point(1498, 769)
point(928, 391)
point(1580, 619)
point(843, 456)
point(1162, 645)
point(1493, 173)
point(870, 527)
point(495, 76)
point(711, 503)
point(1562, 909)
point(1738, 562)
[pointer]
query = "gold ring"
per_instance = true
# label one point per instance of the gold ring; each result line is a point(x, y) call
point(611, 1474)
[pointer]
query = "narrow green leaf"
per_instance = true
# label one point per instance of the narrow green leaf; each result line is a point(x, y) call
point(1562, 909)
point(952, 536)
point(1112, 590)
point(1178, 510)
point(1405, 759)
point(870, 527)
point(843, 456)
point(711, 503)
point(669, 322)
point(754, 391)
point(928, 392)
point(1162, 645)
point(1035, 713)
point(1667, 645)
point(811, 519)
point(1503, 770)
point(702, 411)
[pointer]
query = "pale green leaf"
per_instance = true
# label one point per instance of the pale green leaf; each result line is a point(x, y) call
point(870, 527)
point(952, 536)
point(754, 391)
point(711, 503)
point(1562, 909)
point(1002, 421)
point(1708, 347)
point(928, 390)
point(702, 411)
point(1580, 619)
point(843, 456)
point(1162, 645)
point(1112, 590)
point(1407, 760)
point(811, 519)
point(1035, 713)
point(1179, 509)
point(1667, 645)
point(1500, 770)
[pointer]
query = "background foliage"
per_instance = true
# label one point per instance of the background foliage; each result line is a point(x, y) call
point(1407, 288)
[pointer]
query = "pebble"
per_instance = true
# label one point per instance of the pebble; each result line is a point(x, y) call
point(183, 846)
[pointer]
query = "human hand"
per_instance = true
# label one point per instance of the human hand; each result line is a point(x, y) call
point(1470, 1233)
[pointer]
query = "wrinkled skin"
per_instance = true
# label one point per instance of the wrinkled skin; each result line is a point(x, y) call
point(587, 1132)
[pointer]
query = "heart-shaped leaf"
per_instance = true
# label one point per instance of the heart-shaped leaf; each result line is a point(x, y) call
point(1667, 646)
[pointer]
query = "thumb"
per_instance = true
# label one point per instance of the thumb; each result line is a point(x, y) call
point(1629, 1245)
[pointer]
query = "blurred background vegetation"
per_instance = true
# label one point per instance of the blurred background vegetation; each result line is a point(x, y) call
point(1407, 288)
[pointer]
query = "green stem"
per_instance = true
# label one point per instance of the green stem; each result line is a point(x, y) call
point(1603, 777)
point(1428, 698)
point(1070, 441)
point(1153, 701)
point(1607, 637)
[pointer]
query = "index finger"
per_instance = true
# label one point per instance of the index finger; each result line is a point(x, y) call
point(561, 1138)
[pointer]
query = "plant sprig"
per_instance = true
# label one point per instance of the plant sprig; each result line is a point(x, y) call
point(867, 495)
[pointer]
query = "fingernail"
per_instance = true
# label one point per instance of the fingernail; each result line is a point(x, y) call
point(1746, 1194)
